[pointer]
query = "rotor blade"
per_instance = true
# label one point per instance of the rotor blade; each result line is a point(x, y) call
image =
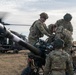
point(16, 24)
point(3, 15)
point(20, 24)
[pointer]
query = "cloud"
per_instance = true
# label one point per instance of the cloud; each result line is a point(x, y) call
point(46, 5)
point(35, 5)
point(27, 11)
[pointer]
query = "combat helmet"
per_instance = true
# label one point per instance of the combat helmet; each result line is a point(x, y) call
point(44, 15)
point(58, 43)
point(67, 17)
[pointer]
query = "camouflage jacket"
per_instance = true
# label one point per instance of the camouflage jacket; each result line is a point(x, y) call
point(66, 25)
point(63, 33)
point(37, 30)
point(58, 61)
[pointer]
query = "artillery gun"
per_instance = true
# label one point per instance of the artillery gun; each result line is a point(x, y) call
point(35, 62)
point(38, 52)
point(20, 41)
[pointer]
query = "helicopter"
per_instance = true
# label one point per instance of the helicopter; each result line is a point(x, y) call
point(7, 44)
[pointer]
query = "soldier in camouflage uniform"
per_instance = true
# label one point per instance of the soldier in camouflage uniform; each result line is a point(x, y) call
point(65, 22)
point(38, 29)
point(58, 62)
point(66, 27)
point(66, 35)
point(51, 30)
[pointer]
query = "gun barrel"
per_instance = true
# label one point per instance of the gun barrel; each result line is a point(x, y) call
point(23, 43)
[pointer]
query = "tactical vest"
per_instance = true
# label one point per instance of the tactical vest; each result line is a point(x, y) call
point(35, 32)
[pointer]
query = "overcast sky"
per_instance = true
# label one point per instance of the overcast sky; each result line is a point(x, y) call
point(27, 11)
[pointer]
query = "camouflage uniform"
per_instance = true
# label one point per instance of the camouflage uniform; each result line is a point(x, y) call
point(68, 27)
point(37, 30)
point(66, 35)
point(51, 30)
point(57, 62)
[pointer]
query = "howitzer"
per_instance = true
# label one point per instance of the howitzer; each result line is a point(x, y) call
point(35, 62)
point(39, 55)
point(10, 35)
point(15, 38)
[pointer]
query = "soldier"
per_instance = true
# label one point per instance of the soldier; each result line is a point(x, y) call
point(38, 29)
point(65, 22)
point(66, 31)
point(51, 30)
point(58, 62)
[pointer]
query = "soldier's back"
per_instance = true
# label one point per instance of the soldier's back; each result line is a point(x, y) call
point(59, 59)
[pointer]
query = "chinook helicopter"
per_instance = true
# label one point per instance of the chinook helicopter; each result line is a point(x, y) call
point(7, 44)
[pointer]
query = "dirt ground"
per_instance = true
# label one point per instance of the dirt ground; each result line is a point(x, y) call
point(13, 64)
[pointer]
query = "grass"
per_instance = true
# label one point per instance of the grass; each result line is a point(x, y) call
point(13, 64)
